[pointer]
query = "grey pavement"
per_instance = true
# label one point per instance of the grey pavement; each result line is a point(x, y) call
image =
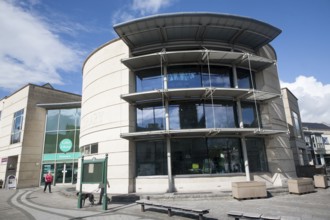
point(33, 203)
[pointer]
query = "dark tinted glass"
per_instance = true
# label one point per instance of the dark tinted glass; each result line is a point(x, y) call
point(243, 78)
point(224, 115)
point(186, 115)
point(147, 80)
point(151, 158)
point(184, 77)
point(256, 155)
point(218, 77)
point(50, 142)
point(150, 118)
point(249, 115)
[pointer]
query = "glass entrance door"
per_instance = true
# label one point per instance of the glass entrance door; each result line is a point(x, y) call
point(63, 173)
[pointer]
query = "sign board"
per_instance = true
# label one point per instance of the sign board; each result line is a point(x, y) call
point(65, 145)
point(11, 182)
point(4, 160)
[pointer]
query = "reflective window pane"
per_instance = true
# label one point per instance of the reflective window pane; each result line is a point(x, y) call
point(186, 115)
point(218, 77)
point(67, 119)
point(78, 114)
point(206, 156)
point(17, 127)
point(147, 80)
point(151, 158)
point(150, 118)
point(225, 155)
point(256, 155)
point(188, 156)
point(50, 142)
point(184, 77)
point(243, 78)
point(52, 120)
point(224, 115)
point(249, 115)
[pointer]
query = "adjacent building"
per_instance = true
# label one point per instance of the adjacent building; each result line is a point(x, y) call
point(187, 102)
point(302, 153)
point(39, 132)
point(317, 136)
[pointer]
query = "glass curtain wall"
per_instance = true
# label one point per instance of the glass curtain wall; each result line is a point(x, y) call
point(192, 76)
point(195, 156)
point(61, 145)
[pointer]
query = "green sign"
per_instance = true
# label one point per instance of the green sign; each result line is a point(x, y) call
point(61, 156)
point(65, 145)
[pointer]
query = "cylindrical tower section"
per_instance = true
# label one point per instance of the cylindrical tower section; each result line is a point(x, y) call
point(104, 114)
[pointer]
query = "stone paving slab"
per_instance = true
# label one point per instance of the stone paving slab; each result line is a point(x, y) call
point(62, 204)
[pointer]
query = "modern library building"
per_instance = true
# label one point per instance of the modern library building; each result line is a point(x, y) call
point(186, 102)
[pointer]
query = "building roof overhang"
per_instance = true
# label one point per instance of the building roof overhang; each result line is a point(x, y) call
point(239, 59)
point(206, 132)
point(200, 94)
point(59, 105)
point(196, 27)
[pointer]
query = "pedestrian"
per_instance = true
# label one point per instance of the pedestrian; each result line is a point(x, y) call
point(101, 186)
point(48, 181)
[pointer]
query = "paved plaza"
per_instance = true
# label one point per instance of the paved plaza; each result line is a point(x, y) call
point(33, 203)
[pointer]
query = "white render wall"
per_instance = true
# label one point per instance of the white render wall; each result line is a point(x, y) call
point(104, 115)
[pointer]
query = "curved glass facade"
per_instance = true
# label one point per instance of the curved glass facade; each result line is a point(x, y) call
point(192, 76)
point(199, 156)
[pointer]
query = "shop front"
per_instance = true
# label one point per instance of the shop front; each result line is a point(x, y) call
point(61, 145)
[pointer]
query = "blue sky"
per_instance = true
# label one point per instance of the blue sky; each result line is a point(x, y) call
point(47, 41)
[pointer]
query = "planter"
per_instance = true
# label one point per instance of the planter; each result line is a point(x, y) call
point(301, 185)
point(249, 189)
point(320, 181)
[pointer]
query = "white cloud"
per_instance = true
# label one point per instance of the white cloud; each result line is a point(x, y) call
point(313, 98)
point(29, 51)
point(149, 6)
point(139, 8)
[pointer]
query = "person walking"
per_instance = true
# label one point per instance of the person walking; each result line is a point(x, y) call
point(101, 186)
point(48, 181)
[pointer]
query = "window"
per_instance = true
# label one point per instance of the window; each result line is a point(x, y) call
point(186, 115)
point(17, 127)
point(151, 158)
point(244, 80)
point(224, 116)
point(62, 134)
point(206, 156)
point(148, 80)
point(150, 118)
point(296, 125)
point(90, 149)
point(249, 115)
point(218, 77)
point(325, 140)
point(256, 155)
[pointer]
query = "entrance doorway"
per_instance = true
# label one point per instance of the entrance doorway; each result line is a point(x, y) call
point(65, 173)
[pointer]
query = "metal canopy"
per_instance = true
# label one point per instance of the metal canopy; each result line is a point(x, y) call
point(206, 132)
point(196, 27)
point(199, 94)
point(256, 63)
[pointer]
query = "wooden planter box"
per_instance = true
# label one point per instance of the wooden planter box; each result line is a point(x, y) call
point(301, 185)
point(320, 181)
point(249, 189)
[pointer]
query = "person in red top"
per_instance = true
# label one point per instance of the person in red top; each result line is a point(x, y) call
point(48, 181)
